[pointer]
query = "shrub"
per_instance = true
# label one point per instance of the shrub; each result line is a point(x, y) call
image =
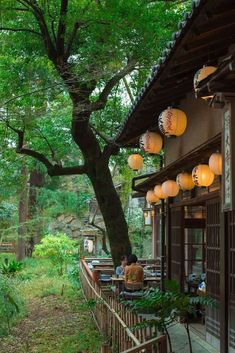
point(10, 268)
point(59, 248)
point(10, 304)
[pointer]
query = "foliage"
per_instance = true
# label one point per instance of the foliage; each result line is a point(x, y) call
point(140, 235)
point(67, 64)
point(59, 248)
point(10, 304)
point(55, 202)
point(58, 319)
point(10, 268)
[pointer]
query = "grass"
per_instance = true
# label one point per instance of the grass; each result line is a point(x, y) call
point(57, 320)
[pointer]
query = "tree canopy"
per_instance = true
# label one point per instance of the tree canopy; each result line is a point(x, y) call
point(68, 71)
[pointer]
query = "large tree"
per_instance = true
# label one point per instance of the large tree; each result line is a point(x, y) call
point(92, 45)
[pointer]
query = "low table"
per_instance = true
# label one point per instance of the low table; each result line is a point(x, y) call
point(118, 281)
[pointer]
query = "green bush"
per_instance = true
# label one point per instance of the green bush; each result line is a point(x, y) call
point(59, 248)
point(10, 304)
point(10, 268)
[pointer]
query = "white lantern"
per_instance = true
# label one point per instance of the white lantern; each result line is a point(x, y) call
point(172, 122)
point(170, 188)
point(159, 192)
point(202, 175)
point(151, 142)
point(201, 74)
point(215, 163)
point(151, 197)
point(185, 181)
point(135, 161)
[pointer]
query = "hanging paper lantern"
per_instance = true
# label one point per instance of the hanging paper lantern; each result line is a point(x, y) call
point(151, 142)
point(185, 181)
point(201, 74)
point(151, 197)
point(215, 163)
point(172, 122)
point(170, 188)
point(135, 161)
point(159, 192)
point(202, 175)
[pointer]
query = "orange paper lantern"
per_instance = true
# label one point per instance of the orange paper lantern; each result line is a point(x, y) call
point(185, 181)
point(201, 74)
point(159, 192)
point(151, 142)
point(202, 175)
point(172, 122)
point(170, 188)
point(151, 197)
point(215, 163)
point(135, 161)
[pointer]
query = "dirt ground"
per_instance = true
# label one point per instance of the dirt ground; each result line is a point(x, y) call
point(51, 326)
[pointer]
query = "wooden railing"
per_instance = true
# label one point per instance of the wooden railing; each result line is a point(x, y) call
point(116, 323)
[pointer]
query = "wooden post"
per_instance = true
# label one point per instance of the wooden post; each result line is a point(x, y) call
point(163, 251)
point(155, 251)
point(223, 284)
point(168, 239)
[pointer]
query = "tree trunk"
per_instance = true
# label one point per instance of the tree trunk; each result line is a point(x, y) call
point(23, 210)
point(97, 170)
point(36, 180)
point(112, 212)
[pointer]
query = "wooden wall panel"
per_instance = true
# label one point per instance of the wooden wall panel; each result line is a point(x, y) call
point(213, 248)
point(213, 265)
point(176, 243)
point(231, 279)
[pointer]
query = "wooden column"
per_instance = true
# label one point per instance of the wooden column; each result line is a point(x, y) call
point(168, 239)
point(163, 244)
point(223, 284)
point(227, 206)
point(155, 250)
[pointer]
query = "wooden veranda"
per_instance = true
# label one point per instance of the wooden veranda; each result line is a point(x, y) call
point(116, 323)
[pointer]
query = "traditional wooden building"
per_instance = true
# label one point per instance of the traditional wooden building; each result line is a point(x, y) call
point(196, 228)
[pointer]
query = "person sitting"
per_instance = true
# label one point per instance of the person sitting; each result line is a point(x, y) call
point(134, 274)
point(120, 269)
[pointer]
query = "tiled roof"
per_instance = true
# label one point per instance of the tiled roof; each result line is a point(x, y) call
point(166, 54)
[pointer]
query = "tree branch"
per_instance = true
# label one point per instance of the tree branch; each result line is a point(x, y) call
point(71, 39)
point(29, 93)
point(109, 150)
point(52, 169)
point(104, 137)
point(37, 11)
point(58, 170)
point(9, 29)
point(128, 90)
point(61, 28)
point(102, 100)
point(52, 22)
point(26, 151)
point(48, 143)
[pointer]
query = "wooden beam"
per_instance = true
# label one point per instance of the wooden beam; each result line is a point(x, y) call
point(195, 55)
point(219, 22)
point(217, 36)
point(186, 162)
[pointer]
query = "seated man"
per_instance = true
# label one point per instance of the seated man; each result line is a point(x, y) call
point(134, 274)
